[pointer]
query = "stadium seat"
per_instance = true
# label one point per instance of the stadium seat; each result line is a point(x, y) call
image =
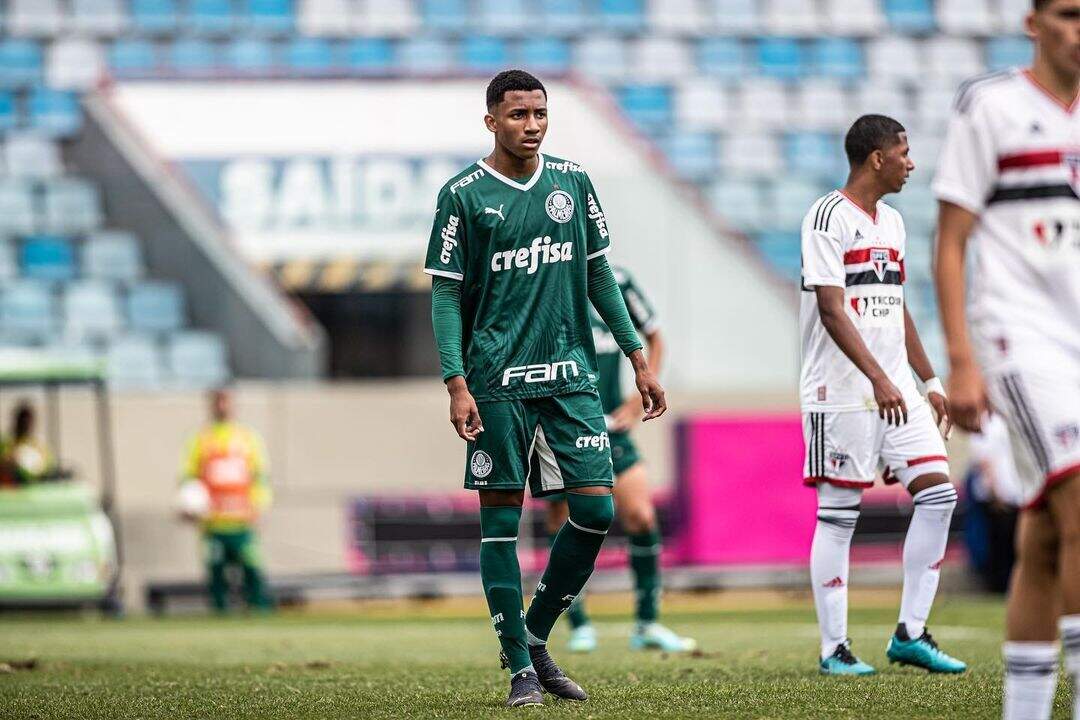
point(211, 17)
point(310, 56)
point(54, 113)
point(791, 17)
point(27, 311)
point(895, 58)
point(564, 17)
point(701, 104)
point(9, 265)
point(822, 104)
point(481, 54)
point(17, 216)
point(933, 107)
point(132, 57)
point(648, 106)
point(503, 17)
point(722, 58)
point(840, 58)
point(156, 307)
point(72, 207)
point(74, 64)
point(325, 17)
point(250, 55)
point(602, 58)
point(789, 199)
point(445, 16)
point(20, 63)
point(35, 18)
point(98, 17)
point(91, 311)
point(966, 17)
point(677, 17)
point(9, 116)
point(692, 155)
point(657, 59)
point(853, 17)
point(370, 56)
point(952, 59)
point(426, 56)
point(780, 58)
point(1011, 14)
point(885, 98)
point(112, 255)
point(269, 17)
point(739, 203)
point(154, 17)
point(910, 16)
point(545, 55)
point(31, 155)
point(762, 103)
point(621, 16)
point(750, 154)
point(1007, 52)
point(197, 359)
point(47, 257)
point(192, 56)
point(134, 361)
point(735, 17)
point(386, 18)
point(925, 150)
point(783, 251)
point(815, 155)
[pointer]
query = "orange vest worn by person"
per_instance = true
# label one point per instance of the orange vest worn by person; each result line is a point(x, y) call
point(230, 461)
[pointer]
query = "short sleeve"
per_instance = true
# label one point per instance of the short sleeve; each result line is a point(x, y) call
point(597, 240)
point(642, 313)
point(967, 166)
point(446, 247)
point(822, 258)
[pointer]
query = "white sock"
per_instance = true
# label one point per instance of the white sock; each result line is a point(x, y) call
point(924, 549)
point(1069, 626)
point(829, 572)
point(1030, 679)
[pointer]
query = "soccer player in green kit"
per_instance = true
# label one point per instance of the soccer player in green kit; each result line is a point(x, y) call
point(517, 256)
point(633, 502)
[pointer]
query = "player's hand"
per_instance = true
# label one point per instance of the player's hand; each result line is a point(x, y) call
point(464, 415)
point(891, 406)
point(624, 416)
point(967, 397)
point(940, 405)
point(652, 393)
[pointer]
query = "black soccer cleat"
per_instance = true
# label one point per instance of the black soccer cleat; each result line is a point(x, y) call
point(552, 678)
point(525, 690)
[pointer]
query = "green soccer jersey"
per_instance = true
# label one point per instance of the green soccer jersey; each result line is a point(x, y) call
point(609, 359)
point(521, 250)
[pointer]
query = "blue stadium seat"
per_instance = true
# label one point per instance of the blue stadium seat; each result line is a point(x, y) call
point(47, 257)
point(156, 307)
point(211, 17)
point(310, 56)
point(693, 155)
point(20, 62)
point(370, 55)
point(91, 310)
point(17, 213)
point(54, 113)
point(112, 255)
point(648, 106)
point(1006, 52)
point(72, 206)
point(483, 54)
point(546, 55)
point(270, 17)
point(911, 16)
point(564, 17)
point(154, 17)
point(788, 198)
point(622, 16)
point(193, 57)
point(197, 359)
point(425, 56)
point(780, 58)
point(840, 58)
point(818, 155)
point(250, 55)
point(132, 57)
point(738, 202)
point(783, 251)
point(503, 17)
point(722, 58)
point(134, 361)
point(27, 311)
point(445, 16)
point(9, 116)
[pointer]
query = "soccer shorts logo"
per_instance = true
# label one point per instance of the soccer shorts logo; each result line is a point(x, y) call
point(480, 464)
point(559, 206)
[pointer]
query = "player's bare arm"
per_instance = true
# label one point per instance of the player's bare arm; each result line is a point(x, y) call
point(922, 366)
point(834, 319)
point(632, 410)
point(967, 390)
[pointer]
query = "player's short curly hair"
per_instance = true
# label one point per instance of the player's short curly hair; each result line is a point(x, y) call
point(509, 81)
point(870, 133)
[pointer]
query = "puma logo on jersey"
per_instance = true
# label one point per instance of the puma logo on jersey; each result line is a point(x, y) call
point(492, 211)
point(542, 251)
point(542, 372)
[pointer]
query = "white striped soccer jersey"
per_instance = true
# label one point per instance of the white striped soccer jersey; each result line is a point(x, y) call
point(1012, 157)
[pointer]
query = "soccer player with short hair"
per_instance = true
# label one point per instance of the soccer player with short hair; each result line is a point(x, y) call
point(860, 404)
point(1008, 180)
point(517, 255)
point(633, 502)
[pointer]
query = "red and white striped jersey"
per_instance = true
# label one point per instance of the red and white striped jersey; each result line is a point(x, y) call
point(843, 246)
point(1012, 157)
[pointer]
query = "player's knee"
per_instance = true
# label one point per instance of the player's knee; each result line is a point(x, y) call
point(637, 519)
point(592, 513)
point(499, 522)
point(936, 496)
point(838, 507)
point(1037, 546)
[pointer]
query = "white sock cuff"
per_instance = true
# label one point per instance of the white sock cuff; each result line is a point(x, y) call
point(936, 496)
point(1069, 627)
point(1030, 658)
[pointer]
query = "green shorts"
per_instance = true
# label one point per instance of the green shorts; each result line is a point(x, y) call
point(624, 453)
point(550, 444)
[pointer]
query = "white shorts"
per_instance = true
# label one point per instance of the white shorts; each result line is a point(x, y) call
point(1041, 405)
point(847, 449)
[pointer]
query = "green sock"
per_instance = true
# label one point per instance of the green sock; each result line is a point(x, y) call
point(573, 555)
point(501, 575)
point(576, 613)
point(645, 562)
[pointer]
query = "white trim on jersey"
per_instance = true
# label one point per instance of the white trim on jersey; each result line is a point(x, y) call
point(445, 273)
point(513, 183)
point(598, 253)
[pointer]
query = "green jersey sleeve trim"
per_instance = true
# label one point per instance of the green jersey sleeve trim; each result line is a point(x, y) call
point(598, 253)
point(445, 274)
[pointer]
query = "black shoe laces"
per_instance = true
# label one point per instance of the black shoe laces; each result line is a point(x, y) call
point(843, 654)
point(928, 639)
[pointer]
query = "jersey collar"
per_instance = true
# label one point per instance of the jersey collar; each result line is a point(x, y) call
point(513, 183)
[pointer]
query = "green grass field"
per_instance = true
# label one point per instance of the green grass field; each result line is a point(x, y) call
point(439, 661)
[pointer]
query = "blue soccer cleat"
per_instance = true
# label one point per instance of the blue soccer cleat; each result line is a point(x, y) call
point(654, 636)
point(582, 639)
point(922, 652)
point(844, 662)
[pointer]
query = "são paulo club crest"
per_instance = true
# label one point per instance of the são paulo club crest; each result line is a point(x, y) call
point(880, 258)
point(480, 464)
point(559, 206)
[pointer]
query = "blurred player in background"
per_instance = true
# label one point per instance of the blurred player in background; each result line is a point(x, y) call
point(633, 502)
point(1008, 178)
point(517, 255)
point(859, 400)
point(228, 460)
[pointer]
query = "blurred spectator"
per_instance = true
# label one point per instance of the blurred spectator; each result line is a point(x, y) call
point(229, 461)
point(993, 496)
point(25, 460)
